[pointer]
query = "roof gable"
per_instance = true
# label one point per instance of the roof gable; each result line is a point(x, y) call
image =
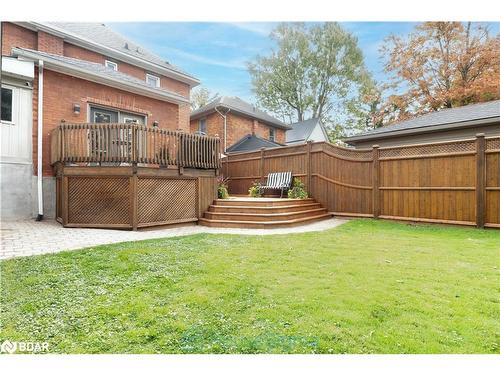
point(240, 106)
point(251, 142)
point(302, 130)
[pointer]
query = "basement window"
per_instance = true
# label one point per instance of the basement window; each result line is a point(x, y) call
point(111, 64)
point(152, 80)
point(6, 108)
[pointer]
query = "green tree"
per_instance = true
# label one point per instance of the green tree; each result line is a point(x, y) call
point(201, 96)
point(314, 72)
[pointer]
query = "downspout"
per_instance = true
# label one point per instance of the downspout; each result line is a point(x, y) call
point(224, 116)
point(40, 142)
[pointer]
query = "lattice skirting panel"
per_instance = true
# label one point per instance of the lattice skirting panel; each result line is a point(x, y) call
point(166, 200)
point(96, 200)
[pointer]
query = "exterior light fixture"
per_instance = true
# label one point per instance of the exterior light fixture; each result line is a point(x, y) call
point(76, 109)
point(155, 124)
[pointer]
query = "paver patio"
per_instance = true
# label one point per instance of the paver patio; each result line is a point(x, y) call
point(29, 237)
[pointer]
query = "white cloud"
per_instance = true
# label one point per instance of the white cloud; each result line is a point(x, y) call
point(261, 28)
point(235, 64)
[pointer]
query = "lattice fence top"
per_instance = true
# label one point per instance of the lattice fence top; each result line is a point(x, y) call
point(348, 153)
point(429, 149)
point(493, 144)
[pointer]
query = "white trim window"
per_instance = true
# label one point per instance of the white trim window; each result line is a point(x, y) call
point(7, 100)
point(202, 126)
point(111, 64)
point(152, 80)
point(272, 135)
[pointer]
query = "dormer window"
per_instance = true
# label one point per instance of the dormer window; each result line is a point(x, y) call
point(152, 80)
point(111, 65)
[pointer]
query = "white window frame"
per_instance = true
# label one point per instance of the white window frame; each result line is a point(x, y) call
point(272, 134)
point(11, 88)
point(111, 64)
point(199, 126)
point(153, 77)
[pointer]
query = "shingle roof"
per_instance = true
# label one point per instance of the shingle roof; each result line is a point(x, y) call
point(102, 34)
point(251, 143)
point(425, 122)
point(301, 130)
point(99, 69)
point(238, 105)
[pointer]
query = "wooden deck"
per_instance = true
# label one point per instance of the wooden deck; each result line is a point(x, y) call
point(128, 176)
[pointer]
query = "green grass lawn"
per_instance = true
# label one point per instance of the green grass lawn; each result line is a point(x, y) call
point(365, 287)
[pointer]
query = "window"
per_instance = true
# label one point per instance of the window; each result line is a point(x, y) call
point(6, 105)
point(152, 80)
point(202, 126)
point(271, 135)
point(111, 64)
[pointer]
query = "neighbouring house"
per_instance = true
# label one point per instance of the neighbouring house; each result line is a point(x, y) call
point(251, 142)
point(55, 73)
point(305, 131)
point(444, 125)
point(232, 119)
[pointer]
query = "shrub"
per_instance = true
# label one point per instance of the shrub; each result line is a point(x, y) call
point(222, 192)
point(297, 191)
point(254, 190)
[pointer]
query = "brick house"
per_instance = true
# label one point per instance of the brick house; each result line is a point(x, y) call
point(233, 119)
point(74, 73)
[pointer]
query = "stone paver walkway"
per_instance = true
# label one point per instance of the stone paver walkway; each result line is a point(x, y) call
point(29, 237)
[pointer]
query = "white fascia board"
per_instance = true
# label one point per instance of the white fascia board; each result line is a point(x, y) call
point(111, 52)
point(17, 68)
point(61, 67)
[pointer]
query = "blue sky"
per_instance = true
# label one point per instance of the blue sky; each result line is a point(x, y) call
point(216, 53)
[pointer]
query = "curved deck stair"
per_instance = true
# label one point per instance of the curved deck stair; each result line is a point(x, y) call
point(262, 213)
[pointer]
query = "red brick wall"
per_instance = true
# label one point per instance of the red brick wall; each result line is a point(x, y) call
point(50, 43)
point(16, 36)
point(62, 91)
point(237, 127)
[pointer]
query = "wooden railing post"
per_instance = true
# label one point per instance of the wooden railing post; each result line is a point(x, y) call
point(308, 166)
point(262, 165)
point(376, 181)
point(480, 180)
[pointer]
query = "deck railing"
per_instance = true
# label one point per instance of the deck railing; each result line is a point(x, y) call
point(113, 144)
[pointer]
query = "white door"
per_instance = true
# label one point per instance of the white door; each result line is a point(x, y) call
point(16, 124)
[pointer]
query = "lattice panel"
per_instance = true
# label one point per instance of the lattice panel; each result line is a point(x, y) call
point(161, 200)
point(493, 144)
point(98, 200)
point(349, 153)
point(430, 149)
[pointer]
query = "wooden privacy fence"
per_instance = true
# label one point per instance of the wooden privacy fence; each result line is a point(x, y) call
point(449, 182)
point(109, 144)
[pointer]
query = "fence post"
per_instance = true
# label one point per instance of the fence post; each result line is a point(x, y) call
point(262, 165)
point(308, 166)
point(480, 180)
point(376, 182)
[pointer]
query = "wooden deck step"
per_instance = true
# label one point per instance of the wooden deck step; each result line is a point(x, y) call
point(262, 202)
point(262, 224)
point(263, 210)
point(267, 217)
